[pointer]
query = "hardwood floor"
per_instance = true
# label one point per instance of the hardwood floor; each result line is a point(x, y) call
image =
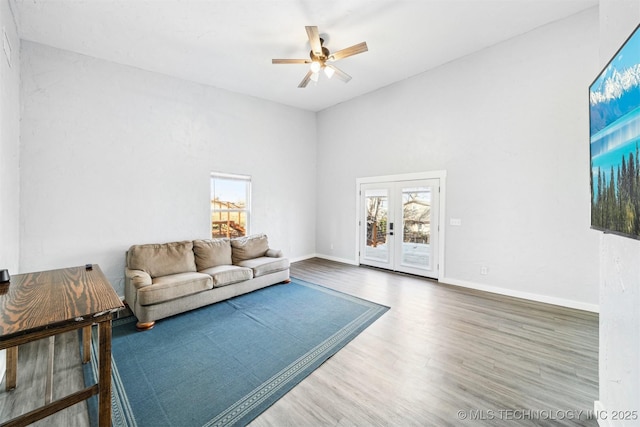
point(439, 354)
point(30, 391)
point(443, 349)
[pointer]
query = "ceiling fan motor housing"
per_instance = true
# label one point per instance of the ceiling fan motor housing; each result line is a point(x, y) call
point(322, 58)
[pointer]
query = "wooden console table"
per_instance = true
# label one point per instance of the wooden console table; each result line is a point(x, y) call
point(43, 304)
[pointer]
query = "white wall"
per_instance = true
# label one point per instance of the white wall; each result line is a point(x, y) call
point(114, 156)
point(620, 265)
point(509, 124)
point(9, 148)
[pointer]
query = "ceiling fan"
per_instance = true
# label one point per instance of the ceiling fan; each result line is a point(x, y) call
point(321, 58)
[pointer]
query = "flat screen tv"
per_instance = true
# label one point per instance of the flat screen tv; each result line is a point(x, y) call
point(614, 121)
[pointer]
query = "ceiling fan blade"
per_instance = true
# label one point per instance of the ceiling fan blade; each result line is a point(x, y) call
point(314, 40)
point(291, 61)
point(349, 51)
point(306, 80)
point(339, 73)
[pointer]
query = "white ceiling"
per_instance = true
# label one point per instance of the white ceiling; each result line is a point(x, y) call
point(229, 44)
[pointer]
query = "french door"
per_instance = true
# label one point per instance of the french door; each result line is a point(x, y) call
point(399, 226)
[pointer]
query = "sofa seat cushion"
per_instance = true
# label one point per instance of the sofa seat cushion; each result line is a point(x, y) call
point(265, 265)
point(162, 259)
point(224, 275)
point(212, 253)
point(174, 286)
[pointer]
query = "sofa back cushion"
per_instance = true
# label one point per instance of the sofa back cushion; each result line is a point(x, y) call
point(211, 253)
point(249, 247)
point(162, 259)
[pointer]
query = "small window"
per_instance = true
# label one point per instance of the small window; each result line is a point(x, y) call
point(230, 205)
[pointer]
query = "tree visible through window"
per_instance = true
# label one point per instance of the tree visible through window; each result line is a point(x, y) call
point(230, 205)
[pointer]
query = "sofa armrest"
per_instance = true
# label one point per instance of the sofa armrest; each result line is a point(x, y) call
point(274, 253)
point(137, 278)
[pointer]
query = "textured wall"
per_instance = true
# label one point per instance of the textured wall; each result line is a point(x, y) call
point(9, 147)
point(9, 141)
point(115, 156)
point(509, 124)
point(620, 266)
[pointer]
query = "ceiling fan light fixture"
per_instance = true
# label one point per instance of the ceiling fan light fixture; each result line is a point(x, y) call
point(329, 72)
point(319, 56)
point(315, 67)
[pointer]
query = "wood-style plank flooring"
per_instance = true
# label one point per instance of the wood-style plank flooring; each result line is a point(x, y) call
point(32, 370)
point(441, 353)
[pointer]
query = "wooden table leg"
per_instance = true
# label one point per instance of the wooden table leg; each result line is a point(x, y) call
point(104, 377)
point(86, 344)
point(48, 392)
point(12, 368)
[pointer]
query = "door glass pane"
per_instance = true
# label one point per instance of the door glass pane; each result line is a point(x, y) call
point(416, 226)
point(377, 205)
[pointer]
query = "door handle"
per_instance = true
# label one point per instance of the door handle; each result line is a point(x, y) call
point(390, 229)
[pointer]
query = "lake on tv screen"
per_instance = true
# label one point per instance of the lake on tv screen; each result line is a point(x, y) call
point(614, 142)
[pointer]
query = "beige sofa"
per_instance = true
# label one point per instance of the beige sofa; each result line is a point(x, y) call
point(169, 278)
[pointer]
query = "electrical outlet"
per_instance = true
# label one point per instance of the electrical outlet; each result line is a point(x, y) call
point(484, 270)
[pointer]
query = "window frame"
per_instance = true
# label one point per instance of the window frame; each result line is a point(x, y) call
point(247, 208)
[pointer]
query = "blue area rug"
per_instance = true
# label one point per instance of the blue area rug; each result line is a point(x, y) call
point(224, 364)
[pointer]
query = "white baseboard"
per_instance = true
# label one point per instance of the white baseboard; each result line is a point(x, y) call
point(302, 258)
point(480, 287)
point(327, 257)
point(524, 295)
point(336, 259)
point(599, 408)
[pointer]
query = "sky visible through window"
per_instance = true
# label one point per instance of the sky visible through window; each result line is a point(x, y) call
point(230, 204)
point(229, 190)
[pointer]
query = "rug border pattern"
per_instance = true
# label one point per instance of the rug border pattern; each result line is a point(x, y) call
point(242, 407)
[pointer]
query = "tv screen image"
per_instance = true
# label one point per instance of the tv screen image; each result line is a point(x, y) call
point(614, 116)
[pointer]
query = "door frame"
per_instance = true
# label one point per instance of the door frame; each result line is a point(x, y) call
point(441, 175)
